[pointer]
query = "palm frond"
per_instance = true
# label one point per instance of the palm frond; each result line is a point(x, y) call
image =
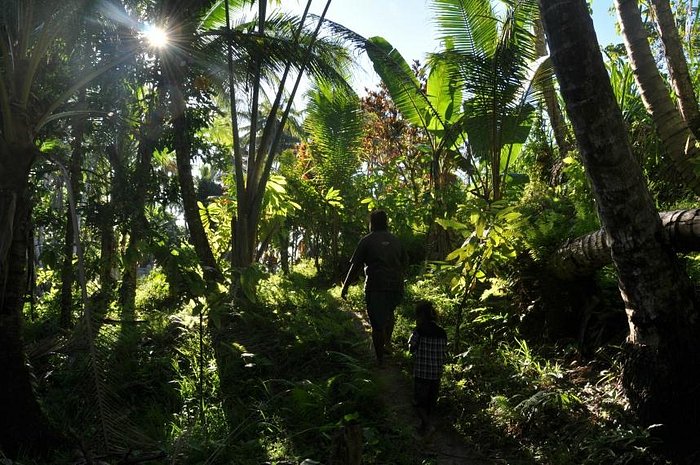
point(469, 24)
point(329, 60)
point(334, 119)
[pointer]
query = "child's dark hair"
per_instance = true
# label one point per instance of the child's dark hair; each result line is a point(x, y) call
point(426, 310)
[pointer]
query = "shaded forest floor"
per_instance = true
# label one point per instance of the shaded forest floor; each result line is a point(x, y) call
point(304, 370)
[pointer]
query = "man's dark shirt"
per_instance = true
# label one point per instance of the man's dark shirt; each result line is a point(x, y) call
point(383, 257)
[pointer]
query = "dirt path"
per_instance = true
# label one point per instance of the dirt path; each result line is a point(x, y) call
point(445, 446)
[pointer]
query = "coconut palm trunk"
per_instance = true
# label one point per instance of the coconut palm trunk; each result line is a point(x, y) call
point(182, 14)
point(23, 425)
point(584, 255)
point(677, 64)
point(661, 373)
point(679, 142)
point(149, 134)
point(549, 96)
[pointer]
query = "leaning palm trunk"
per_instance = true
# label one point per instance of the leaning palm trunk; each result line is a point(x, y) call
point(679, 142)
point(586, 254)
point(677, 64)
point(661, 369)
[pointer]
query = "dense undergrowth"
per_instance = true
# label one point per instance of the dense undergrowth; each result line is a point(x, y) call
point(304, 371)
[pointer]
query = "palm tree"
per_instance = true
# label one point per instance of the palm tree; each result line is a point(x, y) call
point(476, 105)
point(33, 33)
point(551, 101)
point(182, 17)
point(491, 57)
point(678, 140)
point(259, 54)
point(661, 369)
point(334, 123)
point(677, 64)
point(305, 51)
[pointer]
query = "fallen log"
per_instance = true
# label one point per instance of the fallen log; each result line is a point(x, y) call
point(586, 254)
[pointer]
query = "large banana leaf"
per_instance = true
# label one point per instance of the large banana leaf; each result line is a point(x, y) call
point(401, 82)
point(445, 97)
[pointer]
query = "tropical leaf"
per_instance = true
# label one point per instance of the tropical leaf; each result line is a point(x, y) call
point(470, 25)
point(445, 96)
point(400, 80)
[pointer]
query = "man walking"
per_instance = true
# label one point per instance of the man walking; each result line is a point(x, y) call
point(383, 259)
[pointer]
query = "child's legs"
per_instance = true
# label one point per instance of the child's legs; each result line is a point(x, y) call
point(425, 395)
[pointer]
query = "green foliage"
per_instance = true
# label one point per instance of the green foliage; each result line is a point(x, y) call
point(300, 367)
point(491, 235)
point(153, 291)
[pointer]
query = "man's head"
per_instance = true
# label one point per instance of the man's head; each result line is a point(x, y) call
point(378, 221)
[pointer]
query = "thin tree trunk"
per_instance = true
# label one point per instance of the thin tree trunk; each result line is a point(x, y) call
point(108, 242)
point(183, 153)
point(284, 249)
point(149, 134)
point(661, 370)
point(68, 274)
point(678, 141)
point(677, 65)
point(551, 102)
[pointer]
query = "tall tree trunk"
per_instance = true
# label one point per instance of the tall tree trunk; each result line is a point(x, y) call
point(183, 152)
point(149, 134)
point(24, 428)
point(678, 141)
point(677, 64)
point(551, 102)
point(283, 238)
point(661, 371)
point(108, 241)
point(68, 274)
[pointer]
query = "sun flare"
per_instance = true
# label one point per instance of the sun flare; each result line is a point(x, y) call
point(155, 36)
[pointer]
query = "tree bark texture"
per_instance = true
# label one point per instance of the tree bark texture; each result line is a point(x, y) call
point(24, 428)
point(67, 273)
point(678, 141)
point(677, 64)
point(551, 102)
point(149, 135)
point(660, 373)
point(183, 154)
point(586, 254)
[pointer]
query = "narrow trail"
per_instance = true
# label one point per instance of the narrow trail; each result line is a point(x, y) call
point(444, 446)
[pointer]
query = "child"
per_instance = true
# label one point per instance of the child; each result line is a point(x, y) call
point(428, 344)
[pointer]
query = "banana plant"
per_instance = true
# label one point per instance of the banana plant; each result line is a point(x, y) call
point(476, 104)
point(435, 107)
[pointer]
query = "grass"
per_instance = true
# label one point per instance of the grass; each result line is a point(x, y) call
point(305, 372)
